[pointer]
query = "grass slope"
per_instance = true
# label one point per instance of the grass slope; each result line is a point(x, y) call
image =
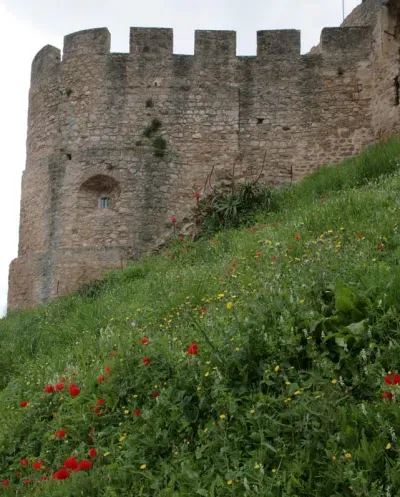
point(297, 324)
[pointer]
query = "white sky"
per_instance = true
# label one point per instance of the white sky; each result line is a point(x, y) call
point(27, 25)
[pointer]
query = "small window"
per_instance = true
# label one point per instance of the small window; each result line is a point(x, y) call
point(104, 202)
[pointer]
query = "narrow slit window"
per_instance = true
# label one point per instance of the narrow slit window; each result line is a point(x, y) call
point(104, 202)
point(397, 90)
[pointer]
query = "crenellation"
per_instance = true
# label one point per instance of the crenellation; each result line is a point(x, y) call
point(151, 41)
point(87, 42)
point(278, 44)
point(118, 142)
point(45, 65)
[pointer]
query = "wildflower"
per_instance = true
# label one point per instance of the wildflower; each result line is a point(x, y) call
point(360, 236)
point(334, 382)
point(297, 392)
point(44, 478)
point(27, 482)
point(107, 370)
point(379, 247)
point(259, 253)
point(392, 379)
point(23, 403)
point(155, 394)
point(229, 305)
point(193, 349)
point(252, 411)
point(49, 389)
point(5, 483)
point(92, 453)
point(388, 446)
point(143, 466)
point(97, 411)
point(74, 390)
point(38, 464)
point(229, 482)
point(386, 395)
point(136, 412)
point(145, 340)
point(203, 310)
point(24, 462)
point(84, 465)
point(60, 434)
point(333, 458)
point(62, 379)
point(100, 379)
point(126, 411)
point(277, 368)
point(61, 474)
point(71, 463)
point(273, 470)
point(297, 237)
point(59, 387)
point(222, 416)
point(100, 402)
point(146, 361)
point(348, 455)
point(173, 220)
point(197, 195)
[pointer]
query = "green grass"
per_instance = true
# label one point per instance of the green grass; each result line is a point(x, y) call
point(297, 324)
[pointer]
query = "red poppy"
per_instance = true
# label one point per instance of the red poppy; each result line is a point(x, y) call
point(145, 340)
point(193, 349)
point(71, 463)
point(84, 465)
point(173, 220)
point(386, 395)
point(37, 464)
point(60, 434)
point(392, 379)
point(136, 412)
point(204, 310)
point(100, 402)
point(259, 253)
point(107, 369)
point(17, 474)
point(91, 431)
point(197, 195)
point(23, 403)
point(59, 387)
point(92, 453)
point(100, 379)
point(155, 394)
point(274, 258)
point(43, 478)
point(62, 379)
point(27, 482)
point(97, 411)
point(360, 235)
point(49, 389)
point(74, 390)
point(61, 474)
point(146, 361)
point(297, 237)
point(24, 462)
point(379, 247)
point(234, 264)
point(5, 483)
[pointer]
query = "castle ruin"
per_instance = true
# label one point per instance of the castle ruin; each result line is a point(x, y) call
point(118, 142)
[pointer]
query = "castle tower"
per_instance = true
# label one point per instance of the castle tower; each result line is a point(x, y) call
point(117, 143)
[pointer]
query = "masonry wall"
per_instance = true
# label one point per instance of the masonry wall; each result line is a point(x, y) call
point(215, 110)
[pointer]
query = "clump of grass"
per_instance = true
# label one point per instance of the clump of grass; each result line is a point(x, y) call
point(149, 103)
point(159, 146)
point(152, 128)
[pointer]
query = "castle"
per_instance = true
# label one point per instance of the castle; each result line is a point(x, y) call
point(118, 142)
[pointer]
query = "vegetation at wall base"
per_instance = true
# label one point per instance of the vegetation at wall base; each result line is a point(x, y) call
point(264, 361)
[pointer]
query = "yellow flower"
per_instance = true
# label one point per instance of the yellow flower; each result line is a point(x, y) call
point(256, 466)
point(121, 439)
point(126, 411)
point(143, 466)
point(334, 382)
point(237, 349)
point(229, 482)
point(222, 416)
point(207, 374)
point(252, 411)
point(106, 454)
point(347, 455)
point(318, 396)
point(288, 399)
point(273, 470)
point(388, 446)
point(199, 388)
point(229, 305)
point(333, 458)
point(297, 392)
point(277, 368)
point(287, 383)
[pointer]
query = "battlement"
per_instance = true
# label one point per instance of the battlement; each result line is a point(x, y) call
point(151, 41)
point(356, 41)
point(46, 61)
point(278, 44)
point(88, 42)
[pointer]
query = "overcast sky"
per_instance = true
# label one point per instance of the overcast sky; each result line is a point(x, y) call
point(27, 25)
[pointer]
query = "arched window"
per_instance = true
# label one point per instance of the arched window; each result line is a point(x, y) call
point(97, 193)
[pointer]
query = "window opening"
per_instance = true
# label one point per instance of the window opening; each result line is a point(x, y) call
point(104, 202)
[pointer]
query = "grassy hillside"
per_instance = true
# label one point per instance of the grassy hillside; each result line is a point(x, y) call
point(261, 362)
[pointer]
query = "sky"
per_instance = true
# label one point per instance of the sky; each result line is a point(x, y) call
point(27, 25)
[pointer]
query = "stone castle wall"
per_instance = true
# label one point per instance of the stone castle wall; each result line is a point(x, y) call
point(88, 111)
